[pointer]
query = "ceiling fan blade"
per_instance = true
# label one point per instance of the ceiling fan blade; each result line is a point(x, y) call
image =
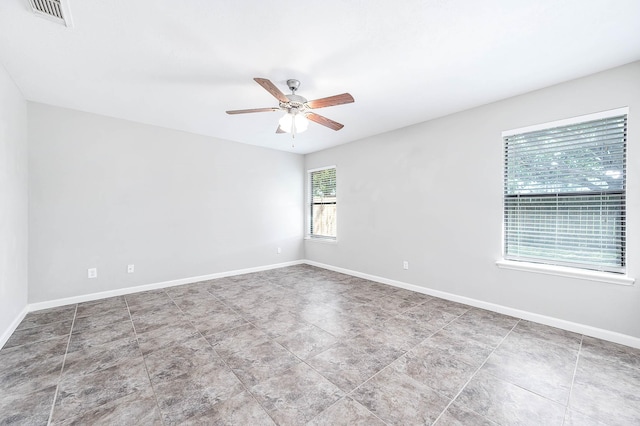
point(324, 121)
point(271, 88)
point(344, 98)
point(279, 130)
point(245, 111)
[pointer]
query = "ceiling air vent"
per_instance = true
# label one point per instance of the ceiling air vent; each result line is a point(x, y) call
point(55, 10)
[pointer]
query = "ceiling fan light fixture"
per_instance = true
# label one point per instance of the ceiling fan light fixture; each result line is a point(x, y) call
point(298, 110)
point(294, 122)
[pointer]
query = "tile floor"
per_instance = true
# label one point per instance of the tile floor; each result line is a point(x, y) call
point(303, 345)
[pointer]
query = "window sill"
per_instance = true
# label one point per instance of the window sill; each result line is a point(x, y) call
point(321, 240)
point(563, 271)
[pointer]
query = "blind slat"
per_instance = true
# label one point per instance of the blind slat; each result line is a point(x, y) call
point(322, 203)
point(565, 194)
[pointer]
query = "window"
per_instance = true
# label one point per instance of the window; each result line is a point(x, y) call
point(322, 203)
point(564, 193)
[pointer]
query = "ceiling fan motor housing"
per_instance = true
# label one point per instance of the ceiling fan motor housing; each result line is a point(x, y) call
point(295, 101)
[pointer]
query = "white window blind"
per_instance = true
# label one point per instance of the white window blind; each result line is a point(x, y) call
point(564, 195)
point(322, 203)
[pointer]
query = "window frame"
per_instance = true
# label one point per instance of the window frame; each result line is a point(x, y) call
point(550, 267)
point(309, 235)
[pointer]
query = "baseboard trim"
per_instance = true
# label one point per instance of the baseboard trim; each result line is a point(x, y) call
point(599, 333)
point(146, 287)
point(13, 326)
point(587, 330)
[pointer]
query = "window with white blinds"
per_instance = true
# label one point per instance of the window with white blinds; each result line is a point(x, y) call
point(564, 194)
point(322, 203)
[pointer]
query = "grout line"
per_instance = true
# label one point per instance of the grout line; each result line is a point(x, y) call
point(303, 361)
point(225, 361)
point(462, 388)
point(521, 386)
point(338, 338)
point(346, 395)
point(64, 359)
point(144, 361)
point(214, 349)
point(573, 379)
point(253, 323)
point(404, 354)
point(250, 322)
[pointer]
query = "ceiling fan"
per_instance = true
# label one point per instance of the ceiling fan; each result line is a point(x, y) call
point(298, 110)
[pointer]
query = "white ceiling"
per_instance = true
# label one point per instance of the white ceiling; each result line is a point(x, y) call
point(181, 64)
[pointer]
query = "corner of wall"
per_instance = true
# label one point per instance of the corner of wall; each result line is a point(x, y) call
point(14, 199)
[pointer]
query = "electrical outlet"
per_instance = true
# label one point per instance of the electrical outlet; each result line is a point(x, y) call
point(130, 269)
point(279, 250)
point(405, 265)
point(92, 273)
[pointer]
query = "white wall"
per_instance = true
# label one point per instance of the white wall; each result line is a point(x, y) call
point(106, 193)
point(432, 194)
point(13, 204)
